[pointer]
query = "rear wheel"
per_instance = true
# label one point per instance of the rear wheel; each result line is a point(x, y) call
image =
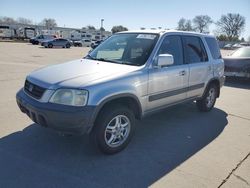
point(208, 100)
point(50, 45)
point(113, 129)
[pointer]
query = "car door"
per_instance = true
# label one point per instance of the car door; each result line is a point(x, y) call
point(200, 69)
point(167, 84)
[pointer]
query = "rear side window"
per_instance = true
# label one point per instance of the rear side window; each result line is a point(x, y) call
point(194, 50)
point(213, 47)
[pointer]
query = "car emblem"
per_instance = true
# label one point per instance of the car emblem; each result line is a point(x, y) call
point(31, 87)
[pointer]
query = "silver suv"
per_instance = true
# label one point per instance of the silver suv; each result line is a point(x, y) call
point(128, 76)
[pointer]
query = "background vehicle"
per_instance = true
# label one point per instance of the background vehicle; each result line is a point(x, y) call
point(26, 33)
point(128, 76)
point(7, 32)
point(238, 63)
point(40, 38)
point(59, 42)
point(83, 42)
point(94, 44)
point(228, 47)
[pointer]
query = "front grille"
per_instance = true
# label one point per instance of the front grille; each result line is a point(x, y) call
point(33, 90)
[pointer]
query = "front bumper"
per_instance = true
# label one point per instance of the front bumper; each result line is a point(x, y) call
point(62, 118)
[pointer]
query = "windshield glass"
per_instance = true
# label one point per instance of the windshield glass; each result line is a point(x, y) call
point(129, 48)
point(242, 52)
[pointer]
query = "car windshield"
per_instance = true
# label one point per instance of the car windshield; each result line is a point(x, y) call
point(242, 52)
point(125, 48)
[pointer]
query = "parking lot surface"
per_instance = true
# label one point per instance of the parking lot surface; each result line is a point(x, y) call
point(178, 147)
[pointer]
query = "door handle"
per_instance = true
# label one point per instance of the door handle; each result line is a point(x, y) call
point(182, 73)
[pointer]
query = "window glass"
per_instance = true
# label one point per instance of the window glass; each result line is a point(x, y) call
point(213, 47)
point(172, 45)
point(131, 48)
point(194, 50)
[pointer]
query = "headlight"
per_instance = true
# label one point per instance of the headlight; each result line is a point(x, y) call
point(72, 97)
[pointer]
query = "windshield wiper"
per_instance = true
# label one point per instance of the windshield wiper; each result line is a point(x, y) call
point(129, 63)
point(111, 61)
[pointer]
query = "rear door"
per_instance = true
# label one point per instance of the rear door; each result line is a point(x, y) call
point(167, 84)
point(200, 69)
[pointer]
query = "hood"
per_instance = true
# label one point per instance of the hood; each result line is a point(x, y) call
point(78, 73)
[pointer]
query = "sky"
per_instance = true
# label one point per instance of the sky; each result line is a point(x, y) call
point(132, 14)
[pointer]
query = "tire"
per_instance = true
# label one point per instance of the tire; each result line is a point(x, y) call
point(113, 129)
point(67, 46)
point(50, 45)
point(208, 100)
point(80, 45)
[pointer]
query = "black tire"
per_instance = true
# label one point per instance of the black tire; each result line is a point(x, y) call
point(50, 45)
point(206, 103)
point(101, 133)
point(80, 45)
point(67, 45)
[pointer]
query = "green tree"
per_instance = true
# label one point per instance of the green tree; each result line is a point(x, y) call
point(118, 28)
point(91, 27)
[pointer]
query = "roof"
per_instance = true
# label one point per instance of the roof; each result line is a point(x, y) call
point(166, 31)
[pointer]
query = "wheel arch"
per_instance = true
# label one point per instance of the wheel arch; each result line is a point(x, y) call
point(128, 100)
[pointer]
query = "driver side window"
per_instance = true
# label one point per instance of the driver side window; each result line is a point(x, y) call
point(172, 45)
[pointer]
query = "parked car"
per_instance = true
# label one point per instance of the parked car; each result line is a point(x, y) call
point(94, 44)
point(83, 42)
point(59, 42)
point(38, 39)
point(103, 93)
point(236, 46)
point(238, 63)
point(228, 47)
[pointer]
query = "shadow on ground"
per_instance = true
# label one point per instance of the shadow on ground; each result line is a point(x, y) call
point(38, 157)
point(242, 83)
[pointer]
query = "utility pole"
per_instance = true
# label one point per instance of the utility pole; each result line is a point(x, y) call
point(102, 20)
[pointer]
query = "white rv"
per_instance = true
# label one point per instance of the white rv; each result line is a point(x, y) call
point(6, 32)
point(26, 32)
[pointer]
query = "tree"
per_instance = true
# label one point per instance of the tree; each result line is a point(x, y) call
point(231, 25)
point(24, 21)
point(7, 20)
point(102, 29)
point(201, 23)
point(118, 28)
point(90, 27)
point(184, 25)
point(49, 23)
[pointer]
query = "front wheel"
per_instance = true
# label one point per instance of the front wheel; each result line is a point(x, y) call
point(67, 45)
point(114, 129)
point(208, 100)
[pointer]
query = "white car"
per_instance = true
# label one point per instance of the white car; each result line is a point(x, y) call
point(83, 43)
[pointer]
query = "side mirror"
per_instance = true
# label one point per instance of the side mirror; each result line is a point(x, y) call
point(164, 60)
